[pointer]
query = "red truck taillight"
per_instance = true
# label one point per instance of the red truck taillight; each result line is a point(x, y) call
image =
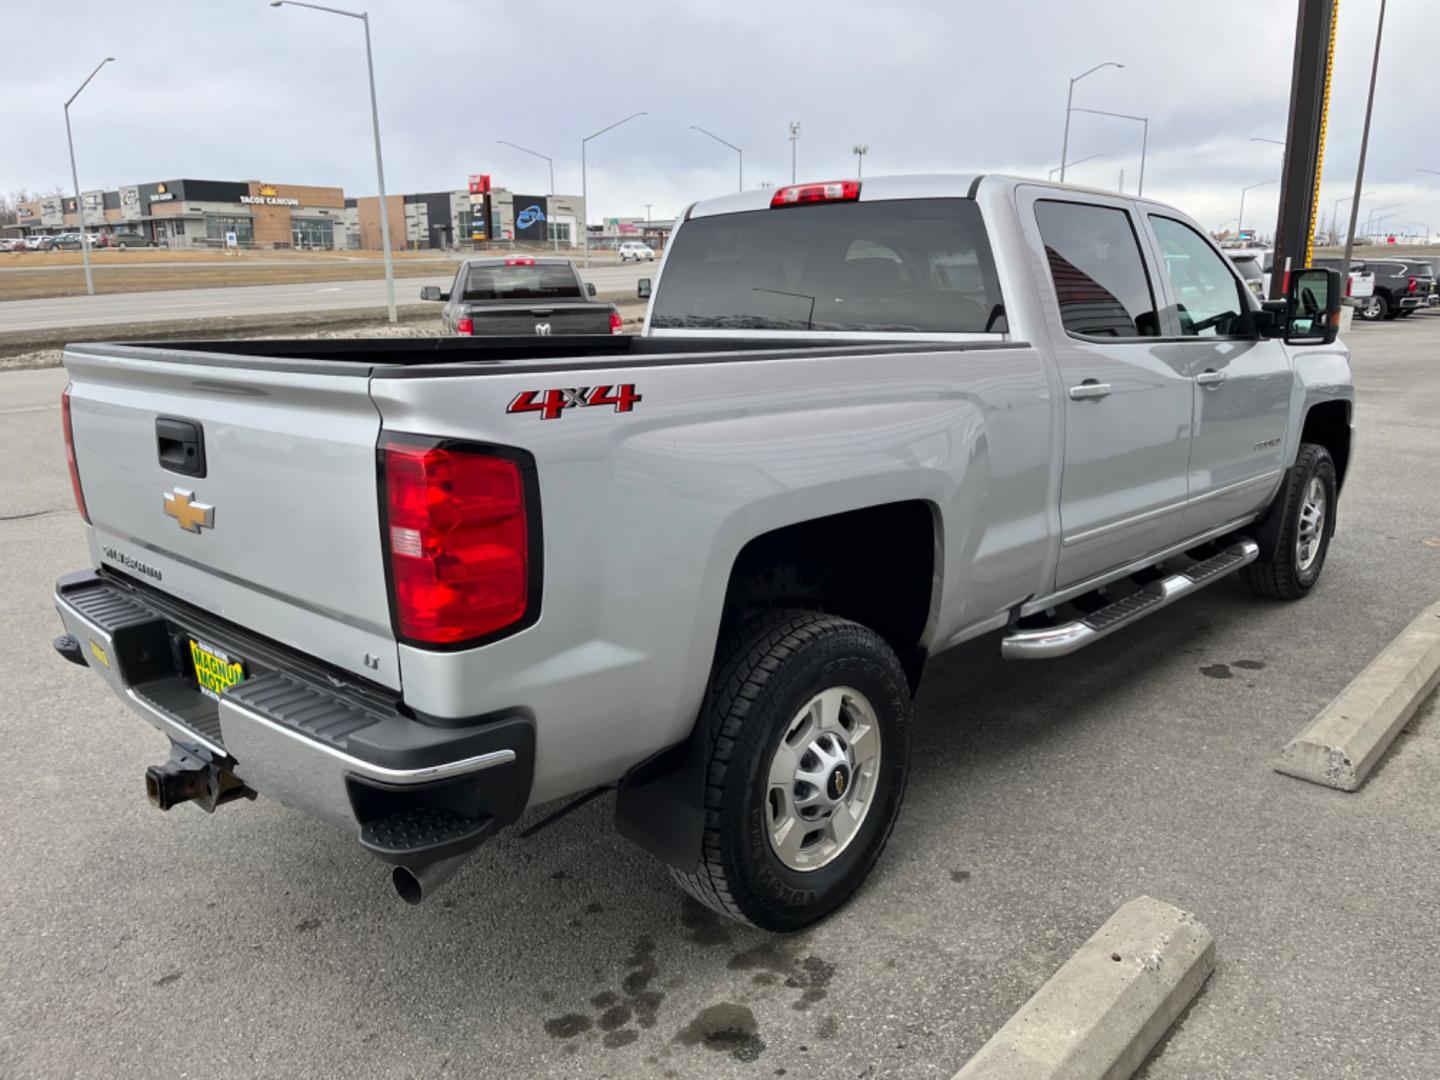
point(462, 543)
point(1410, 287)
point(465, 327)
point(70, 455)
point(616, 323)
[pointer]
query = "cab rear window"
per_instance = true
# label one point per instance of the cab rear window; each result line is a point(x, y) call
point(521, 283)
point(903, 266)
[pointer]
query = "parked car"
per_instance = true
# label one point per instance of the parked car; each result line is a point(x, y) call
point(414, 586)
point(1251, 264)
point(12, 243)
point(520, 294)
point(634, 249)
point(67, 242)
point(1397, 290)
point(39, 243)
point(129, 239)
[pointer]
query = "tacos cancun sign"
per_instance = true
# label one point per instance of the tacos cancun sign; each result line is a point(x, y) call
point(268, 197)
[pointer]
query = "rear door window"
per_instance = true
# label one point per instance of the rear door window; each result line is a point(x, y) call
point(1208, 298)
point(902, 266)
point(1098, 272)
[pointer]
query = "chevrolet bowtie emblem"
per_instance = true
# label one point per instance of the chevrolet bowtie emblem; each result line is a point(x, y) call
point(192, 516)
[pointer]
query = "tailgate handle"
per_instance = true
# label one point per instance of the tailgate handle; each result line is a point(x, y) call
point(542, 311)
point(181, 446)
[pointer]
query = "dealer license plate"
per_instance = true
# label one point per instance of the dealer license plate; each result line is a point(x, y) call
point(215, 671)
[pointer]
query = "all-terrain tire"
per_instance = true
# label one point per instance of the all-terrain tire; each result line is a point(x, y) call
point(764, 674)
point(1285, 575)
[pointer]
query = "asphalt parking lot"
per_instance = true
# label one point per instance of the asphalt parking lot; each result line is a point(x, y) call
point(257, 942)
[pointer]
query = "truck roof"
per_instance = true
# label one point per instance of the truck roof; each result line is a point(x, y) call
point(911, 186)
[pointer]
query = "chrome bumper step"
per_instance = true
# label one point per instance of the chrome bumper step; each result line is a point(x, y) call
point(1068, 637)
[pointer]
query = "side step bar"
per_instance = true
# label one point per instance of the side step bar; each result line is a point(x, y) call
point(1068, 637)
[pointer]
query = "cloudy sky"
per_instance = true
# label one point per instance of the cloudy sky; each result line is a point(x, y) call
point(233, 89)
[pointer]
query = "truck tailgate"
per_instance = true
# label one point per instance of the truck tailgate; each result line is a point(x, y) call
point(290, 547)
point(540, 318)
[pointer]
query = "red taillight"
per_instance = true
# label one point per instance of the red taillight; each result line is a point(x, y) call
point(465, 327)
point(1410, 287)
point(520, 260)
point(70, 454)
point(1348, 283)
point(830, 191)
point(615, 322)
point(459, 541)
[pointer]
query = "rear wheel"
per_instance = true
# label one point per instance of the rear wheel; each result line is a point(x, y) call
point(1374, 308)
point(809, 725)
point(1295, 565)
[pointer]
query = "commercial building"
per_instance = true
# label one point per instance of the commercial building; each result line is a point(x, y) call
point(251, 214)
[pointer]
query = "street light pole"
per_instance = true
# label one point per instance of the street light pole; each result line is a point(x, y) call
point(1335, 214)
point(1240, 221)
point(1144, 139)
point(584, 183)
point(75, 177)
point(740, 153)
point(364, 18)
point(794, 138)
point(1364, 146)
point(861, 149)
point(1069, 99)
point(550, 225)
point(1077, 161)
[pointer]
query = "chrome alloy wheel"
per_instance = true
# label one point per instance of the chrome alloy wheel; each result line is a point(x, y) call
point(822, 778)
point(1312, 524)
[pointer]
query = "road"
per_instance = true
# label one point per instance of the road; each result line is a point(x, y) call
point(109, 309)
point(259, 943)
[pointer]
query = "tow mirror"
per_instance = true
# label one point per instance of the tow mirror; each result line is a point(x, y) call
point(589, 288)
point(642, 288)
point(432, 292)
point(1312, 307)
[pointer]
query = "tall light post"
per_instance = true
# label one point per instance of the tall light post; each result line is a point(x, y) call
point(75, 176)
point(1370, 221)
point(364, 18)
point(1069, 100)
point(861, 149)
point(1272, 142)
point(794, 138)
point(550, 225)
point(1240, 221)
point(1335, 214)
point(584, 183)
point(1144, 139)
point(739, 153)
point(1364, 147)
point(1077, 161)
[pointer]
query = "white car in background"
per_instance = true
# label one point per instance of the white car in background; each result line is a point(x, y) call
point(634, 249)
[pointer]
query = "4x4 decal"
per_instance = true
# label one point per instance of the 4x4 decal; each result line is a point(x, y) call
point(551, 403)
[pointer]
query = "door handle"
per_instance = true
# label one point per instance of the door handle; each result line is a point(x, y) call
point(1210, 377)
point(1089, 390)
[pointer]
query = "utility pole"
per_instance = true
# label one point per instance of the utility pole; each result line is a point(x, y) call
point(794, 138)
point(861, 149)
point(75, 177)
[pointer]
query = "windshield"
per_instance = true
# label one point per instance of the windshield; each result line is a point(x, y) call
point(556, 282)
point(913, 265)
point(1249, 268)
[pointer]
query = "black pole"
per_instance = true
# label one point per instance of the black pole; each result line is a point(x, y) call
point(1364, 145)
point(1304, 139)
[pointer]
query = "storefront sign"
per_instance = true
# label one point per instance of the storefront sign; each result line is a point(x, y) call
point(130, 203)
point(51, 211)
point(268, 197)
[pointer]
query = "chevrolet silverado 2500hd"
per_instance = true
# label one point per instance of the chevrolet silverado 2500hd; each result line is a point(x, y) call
point(416, 586)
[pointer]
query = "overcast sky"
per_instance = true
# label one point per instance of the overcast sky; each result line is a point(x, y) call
point(233, 89)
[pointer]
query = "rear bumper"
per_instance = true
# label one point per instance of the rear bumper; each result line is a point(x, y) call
point(296, 731)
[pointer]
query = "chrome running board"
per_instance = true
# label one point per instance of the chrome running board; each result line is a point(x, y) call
point(1068, 637)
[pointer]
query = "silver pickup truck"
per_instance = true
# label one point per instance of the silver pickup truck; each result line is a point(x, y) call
point(417, 586)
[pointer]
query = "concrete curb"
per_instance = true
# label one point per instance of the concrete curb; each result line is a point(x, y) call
point(1345, 741)
point(1108, 1005)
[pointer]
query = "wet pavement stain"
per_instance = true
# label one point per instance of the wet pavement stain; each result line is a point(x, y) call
point(766, 956)
point(592, 908)
point(617, 1016)
point(827, 1028)
point(813, 972)
point(567, 1026)
point(1249, 665)
point(1217, 671)
point(959, 875)
point(764, 978)
point(307, 924)
point(724, 1027)
point(547, 996)
point(166, 980)
point(704, 925)
point(617, 1039)
point(604, 999)
point(808, 998)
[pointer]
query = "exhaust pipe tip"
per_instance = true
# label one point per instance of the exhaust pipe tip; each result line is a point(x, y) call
point(416, 884)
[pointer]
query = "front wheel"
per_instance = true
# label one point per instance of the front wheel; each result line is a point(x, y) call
point(808, 718)
point(1310, 493)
